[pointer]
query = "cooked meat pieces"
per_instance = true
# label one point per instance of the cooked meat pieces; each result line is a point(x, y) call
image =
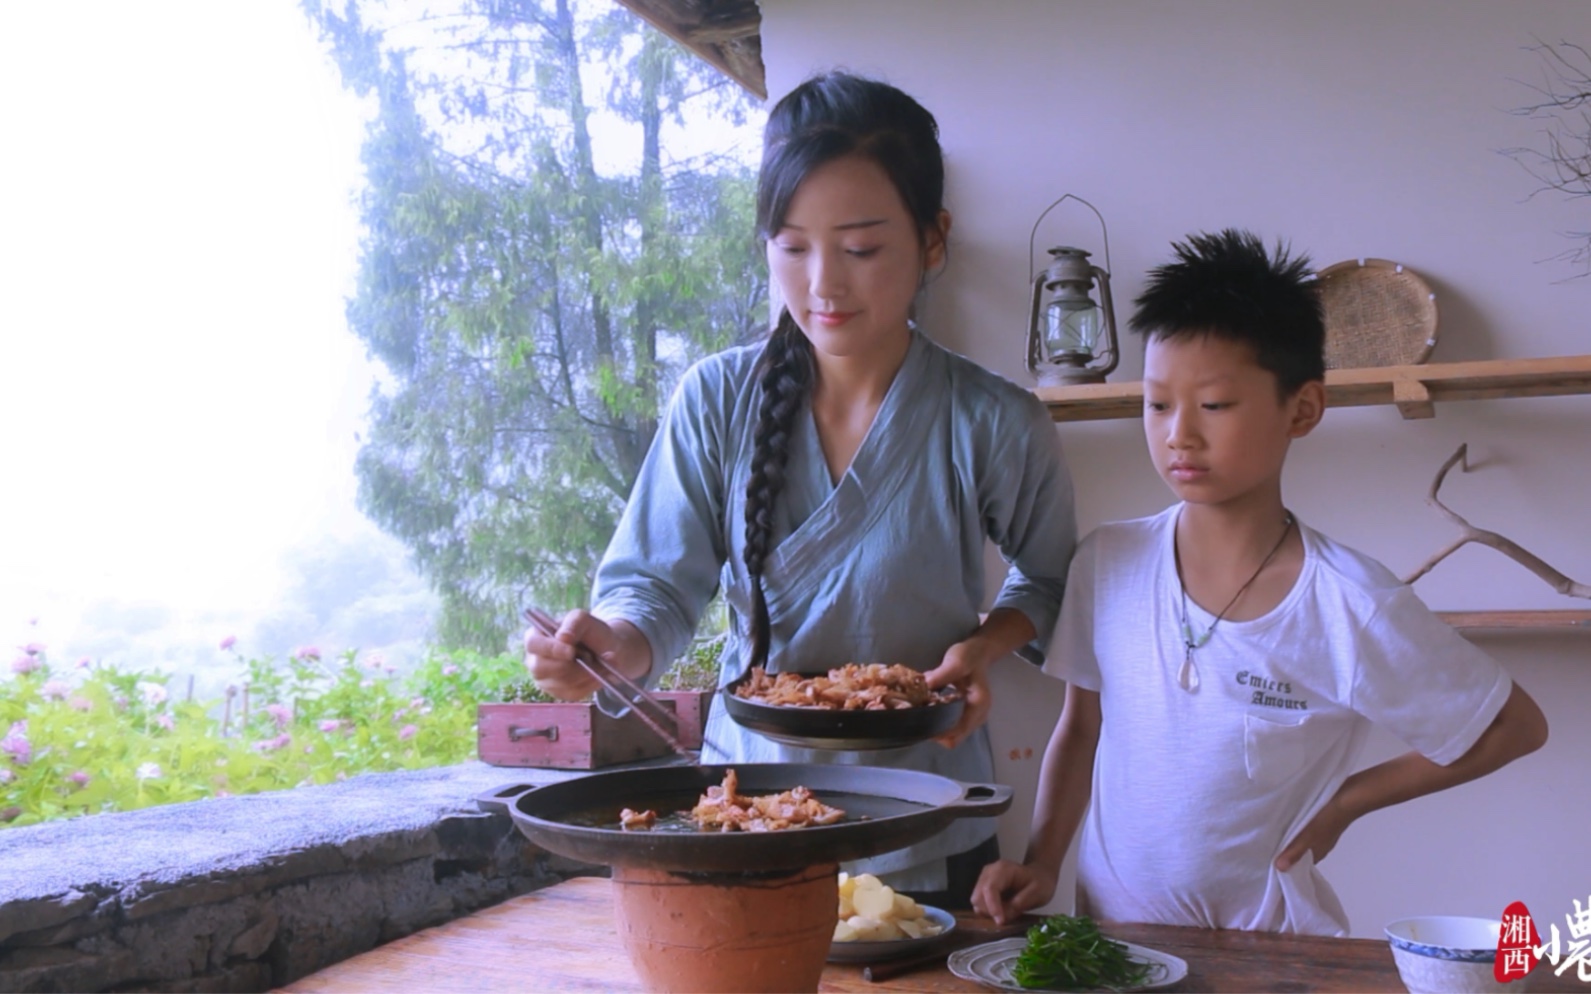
point(723, 809)
point(854, 686)
point(632, 821)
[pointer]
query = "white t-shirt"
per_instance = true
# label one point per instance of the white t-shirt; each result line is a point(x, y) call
point(1195, 793)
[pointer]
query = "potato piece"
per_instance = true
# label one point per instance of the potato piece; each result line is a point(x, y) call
point(876, 902)
point(872, 911)
point(843, 932)
point(847, 884)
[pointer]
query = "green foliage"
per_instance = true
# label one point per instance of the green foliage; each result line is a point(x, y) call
point(1069, 953)
point(106, 739)
point(698, 668)
point(533, 310)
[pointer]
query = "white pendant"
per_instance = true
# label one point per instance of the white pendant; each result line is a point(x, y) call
point(1188, 675)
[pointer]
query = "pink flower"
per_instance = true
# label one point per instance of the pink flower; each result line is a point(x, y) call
point(407, 732)
point(80, 704)
point(149, 771)
point(375, 660)
point(330, 725)
point(80, 778)
point(25, 664)
point(228, 642)
point(449, 669)
point(6, 776)
point(153, 694)
point(17, 744)
point(34, 648)
point(164, 721)
point(304, 652)
point(55, 690)
point(84, 663)
point(282, 741)
point(280, 713)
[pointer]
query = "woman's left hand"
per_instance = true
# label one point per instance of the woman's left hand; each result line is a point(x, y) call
point(966, 669)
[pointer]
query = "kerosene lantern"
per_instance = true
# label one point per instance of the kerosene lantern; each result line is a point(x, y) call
point(1071, 339)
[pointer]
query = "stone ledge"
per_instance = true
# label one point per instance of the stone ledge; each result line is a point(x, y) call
point(246, 893)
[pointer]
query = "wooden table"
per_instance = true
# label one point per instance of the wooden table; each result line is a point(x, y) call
point(561, 938)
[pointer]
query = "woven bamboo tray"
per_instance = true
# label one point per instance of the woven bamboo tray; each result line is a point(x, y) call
point(1378, 313)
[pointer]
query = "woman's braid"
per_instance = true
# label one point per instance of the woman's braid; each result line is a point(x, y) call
point(785, 372)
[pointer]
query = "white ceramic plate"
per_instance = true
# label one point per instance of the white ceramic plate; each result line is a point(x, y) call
point(876, 952)
point(990, 964)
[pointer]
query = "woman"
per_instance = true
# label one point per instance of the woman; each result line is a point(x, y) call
point(839, 481)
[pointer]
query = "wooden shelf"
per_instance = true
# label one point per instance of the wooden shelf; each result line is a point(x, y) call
point(1481, 621)
point(1414, 389)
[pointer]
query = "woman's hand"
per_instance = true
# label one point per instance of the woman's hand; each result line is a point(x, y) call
point(1005, 889)
point(966, 668)
point(551, 661)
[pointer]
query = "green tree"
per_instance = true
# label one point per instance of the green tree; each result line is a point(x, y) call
point(533, 310)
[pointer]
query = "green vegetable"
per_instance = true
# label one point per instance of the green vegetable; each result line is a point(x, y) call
point(1067, 953)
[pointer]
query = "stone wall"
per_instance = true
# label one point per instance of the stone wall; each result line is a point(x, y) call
point(249, 893)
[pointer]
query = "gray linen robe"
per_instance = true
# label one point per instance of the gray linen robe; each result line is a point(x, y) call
point(885, 566)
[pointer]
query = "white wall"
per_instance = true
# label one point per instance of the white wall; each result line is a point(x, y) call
point(1352, 128)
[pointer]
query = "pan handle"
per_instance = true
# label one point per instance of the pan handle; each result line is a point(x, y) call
point(499, 800)
point(982, 800)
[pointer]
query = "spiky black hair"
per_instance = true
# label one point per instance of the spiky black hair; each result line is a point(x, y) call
point(1228, 286)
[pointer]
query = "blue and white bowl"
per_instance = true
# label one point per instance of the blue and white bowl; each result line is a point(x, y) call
point(1438, 954)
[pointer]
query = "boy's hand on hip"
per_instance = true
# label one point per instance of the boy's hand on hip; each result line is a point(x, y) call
point(1319, 836)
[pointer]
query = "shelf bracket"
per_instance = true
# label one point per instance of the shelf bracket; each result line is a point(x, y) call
point(1412, 398)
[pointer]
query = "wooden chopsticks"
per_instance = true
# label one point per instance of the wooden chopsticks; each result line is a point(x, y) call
point(646, 707)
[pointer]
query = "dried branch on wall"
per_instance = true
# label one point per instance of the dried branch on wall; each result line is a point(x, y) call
point(1562, 160)
point(1469, 533)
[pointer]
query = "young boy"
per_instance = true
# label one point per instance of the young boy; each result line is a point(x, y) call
point(1224, 660)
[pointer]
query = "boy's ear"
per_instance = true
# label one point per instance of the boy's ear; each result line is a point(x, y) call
point(1308, 404)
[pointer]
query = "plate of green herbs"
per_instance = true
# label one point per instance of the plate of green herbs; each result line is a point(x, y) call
point(1067, 953)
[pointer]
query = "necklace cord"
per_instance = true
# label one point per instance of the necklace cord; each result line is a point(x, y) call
point(1188, 676)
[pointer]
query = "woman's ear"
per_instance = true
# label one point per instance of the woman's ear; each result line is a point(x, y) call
point(1309, 404)
point(935, 239)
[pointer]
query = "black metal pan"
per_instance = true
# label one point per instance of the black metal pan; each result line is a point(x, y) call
point(825, 728)
point(885, 809)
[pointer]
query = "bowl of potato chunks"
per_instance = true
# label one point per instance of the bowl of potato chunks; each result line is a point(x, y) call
point(876, 923)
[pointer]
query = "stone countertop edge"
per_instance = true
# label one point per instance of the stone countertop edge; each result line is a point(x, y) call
point(159, 848)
